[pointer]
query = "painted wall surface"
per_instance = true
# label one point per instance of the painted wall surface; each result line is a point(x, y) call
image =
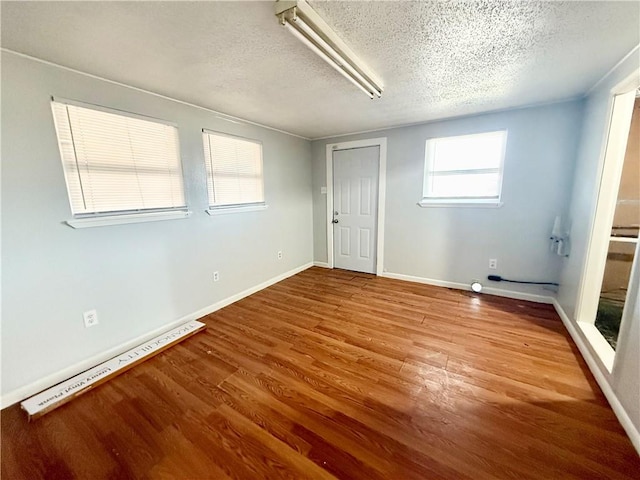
point(139, 277)
point(625, 379)
point(455, 244)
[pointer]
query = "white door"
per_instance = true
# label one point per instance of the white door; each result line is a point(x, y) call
point(355, 208)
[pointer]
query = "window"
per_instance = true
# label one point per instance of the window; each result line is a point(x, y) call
point(234, 172)
point(117, 163)
point(464, 170)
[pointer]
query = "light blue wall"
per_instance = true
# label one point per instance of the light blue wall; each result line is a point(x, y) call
point(455, 244)
point(139, 277)
point(625, 379)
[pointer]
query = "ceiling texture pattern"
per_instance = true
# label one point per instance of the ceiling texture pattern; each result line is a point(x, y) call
point(437, 59)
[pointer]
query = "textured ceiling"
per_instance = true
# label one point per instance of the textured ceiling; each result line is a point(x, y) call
point(436, 59)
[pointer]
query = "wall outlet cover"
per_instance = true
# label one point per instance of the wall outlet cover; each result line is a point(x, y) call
point(90, 318)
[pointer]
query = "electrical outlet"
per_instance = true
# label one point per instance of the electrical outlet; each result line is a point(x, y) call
point(90, 318)
point(216, 276)
point(493, 263)
point(280, 255)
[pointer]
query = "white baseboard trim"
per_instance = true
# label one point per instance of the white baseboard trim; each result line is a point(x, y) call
point(321, 264)
point(605, 386)
point(26, 391)
point(464, 286)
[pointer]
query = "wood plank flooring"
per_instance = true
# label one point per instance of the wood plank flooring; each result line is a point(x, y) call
point(334, 374)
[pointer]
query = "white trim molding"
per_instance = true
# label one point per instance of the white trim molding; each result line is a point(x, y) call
point(599, 344)
point(26, 391)
point(448, 204)
point(611, 70)
point(236, 209)
point(382, 188)
point(601, 379)
point(610, 167)
point(321, 264)
point(123, 219)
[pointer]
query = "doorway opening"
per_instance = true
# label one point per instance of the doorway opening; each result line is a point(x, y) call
point(356, 174)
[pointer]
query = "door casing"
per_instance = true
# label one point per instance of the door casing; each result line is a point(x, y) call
point(606, 191)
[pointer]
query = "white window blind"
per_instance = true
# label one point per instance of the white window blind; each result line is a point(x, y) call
point(234, 170)
point(465, 168)
point(116, 163)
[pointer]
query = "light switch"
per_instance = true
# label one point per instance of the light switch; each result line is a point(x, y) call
point(323, 190)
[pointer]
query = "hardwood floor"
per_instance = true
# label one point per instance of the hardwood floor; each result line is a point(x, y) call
point(336, 374)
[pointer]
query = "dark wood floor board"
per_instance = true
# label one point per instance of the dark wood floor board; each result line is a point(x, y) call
point(267, 415)
point(316, 417)
point(223, 446)
point(379, 311)
point(275, 457)
point(381, 304)
point(404, 410)
point(522, 419)
point(226, 351)
point(535, 394)
point(327, 295)
point(277, 299)
point(276, 311)
point(337, 374)
point(316, 410)
point(184, 459)
point(385, 324)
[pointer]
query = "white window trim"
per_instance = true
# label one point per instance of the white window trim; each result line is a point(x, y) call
point(455, 203)
point(462, 202)
point(125, 218)
point(226, 209)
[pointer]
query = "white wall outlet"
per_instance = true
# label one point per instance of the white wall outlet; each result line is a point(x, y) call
point(323, 190)
point(216, 276)
point(493, 263)
point(90, 318)
point(280, 255)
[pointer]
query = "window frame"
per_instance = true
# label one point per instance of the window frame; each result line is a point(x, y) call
point(117, 217)
point(463, 201)
point(227, 208)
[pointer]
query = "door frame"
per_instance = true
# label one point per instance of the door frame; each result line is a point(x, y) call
point(382, 182)
point(613, 149)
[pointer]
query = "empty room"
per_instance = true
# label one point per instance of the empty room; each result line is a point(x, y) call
point(320, 239)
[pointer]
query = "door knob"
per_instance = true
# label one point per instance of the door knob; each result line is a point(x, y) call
point(335, 220)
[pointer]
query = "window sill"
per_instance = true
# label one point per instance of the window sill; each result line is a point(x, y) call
point(103, 221)
point(235, 209)
point(430, 203)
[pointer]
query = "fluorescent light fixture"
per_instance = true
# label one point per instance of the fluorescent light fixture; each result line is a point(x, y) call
point(323, 56)
point(308, 27)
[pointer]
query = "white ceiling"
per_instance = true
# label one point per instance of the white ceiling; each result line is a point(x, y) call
point(436, 59)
